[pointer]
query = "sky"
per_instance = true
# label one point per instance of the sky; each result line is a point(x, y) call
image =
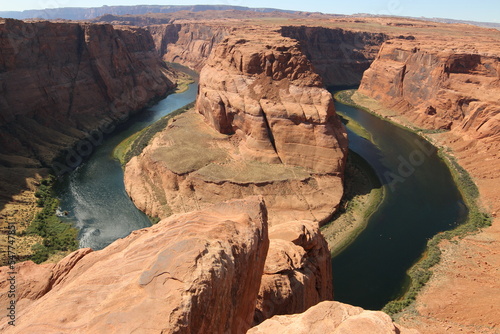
point(475, 10)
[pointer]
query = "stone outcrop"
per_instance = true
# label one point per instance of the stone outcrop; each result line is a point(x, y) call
point(298, 270)
point(267, 94)
point(437, 87)
point(268, 128)
point(452, 86)
point(340, 56)
point(331, 317)
point(60, 82)
point(193, 273)
point(189, 44)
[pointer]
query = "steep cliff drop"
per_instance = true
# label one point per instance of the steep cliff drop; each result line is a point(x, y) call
point(452, 92)
point(198, 272)
point(268, 128)
point(64, 85)
point(193, 273)
point(189, 44)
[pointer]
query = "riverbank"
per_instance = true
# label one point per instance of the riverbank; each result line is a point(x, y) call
point(363, 194)
point(430, 271)
point(135, 144)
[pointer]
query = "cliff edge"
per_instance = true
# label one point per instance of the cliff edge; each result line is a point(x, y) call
point(265, 126)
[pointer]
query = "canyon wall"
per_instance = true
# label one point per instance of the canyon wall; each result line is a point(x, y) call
point(436, 87)
point(297, 272)
point(198, 272)
point(268, 128)
point(339, 56)
point(60, 81)
point(194, 273)
point(450, 89)
point(189, 44)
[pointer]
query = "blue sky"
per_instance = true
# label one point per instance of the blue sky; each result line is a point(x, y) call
point(476, 10)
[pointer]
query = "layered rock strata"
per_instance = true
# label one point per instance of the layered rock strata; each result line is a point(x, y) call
point(193, 273)
point(61, 81)
point(268, 128)
point(189, 44)
point(297, 272)
point(340, 56)
point(438, 87)
point(331, 317)
point(452, 87)
point(267, 94)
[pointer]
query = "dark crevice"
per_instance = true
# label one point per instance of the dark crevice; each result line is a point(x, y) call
point(270, 134)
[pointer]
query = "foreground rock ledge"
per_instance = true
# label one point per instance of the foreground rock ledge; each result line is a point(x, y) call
point(193, 273)
point(334, 318)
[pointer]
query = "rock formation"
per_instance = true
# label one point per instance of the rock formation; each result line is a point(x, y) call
point(189, 44)
point(437, 87)
point(340, 56)
point(268, 95)
point(193, 273)
point(62, 81)
point(198, 272)
point(451, 86)
point(331, 317)
point(272, 131)
point(298, 270)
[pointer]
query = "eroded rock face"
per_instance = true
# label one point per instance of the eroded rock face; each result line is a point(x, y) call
point(438, 88)
point(267, 94)
point(339, 56)
point(193, 273)
point(298, 270)
point(189, 165)
point(189, 44)
point(331, 317)
point(268, 128)
point(60, 82)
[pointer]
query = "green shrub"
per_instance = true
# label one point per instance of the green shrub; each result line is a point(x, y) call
point(57, 235)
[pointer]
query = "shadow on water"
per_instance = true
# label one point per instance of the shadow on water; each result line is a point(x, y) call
point(94, 193)
point(420, 200)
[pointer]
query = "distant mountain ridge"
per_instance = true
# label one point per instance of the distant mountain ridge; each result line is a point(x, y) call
point(78, 13)
point(493, 25)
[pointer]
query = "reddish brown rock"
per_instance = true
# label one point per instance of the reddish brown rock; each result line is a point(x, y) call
point(331, 317)
point(340, 56)
point(452, 86)
point(193, 273)
point(189, 44)
point(272, 131)
point(65, 82)
point(298, 270)
point(268, 95)
point(189, 166)
point(437, 87)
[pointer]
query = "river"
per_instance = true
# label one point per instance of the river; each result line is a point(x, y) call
point(421, 199)
point(94, 195)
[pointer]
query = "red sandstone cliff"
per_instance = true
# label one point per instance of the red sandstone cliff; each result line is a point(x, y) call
point(339, 56)
point(298, 270)
point(435, 83)
point(193, 273)
point(198, 272)
point(189, 44)
point(62, 80)
point(270, 129)
point(267, 93)
point(438, 87)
